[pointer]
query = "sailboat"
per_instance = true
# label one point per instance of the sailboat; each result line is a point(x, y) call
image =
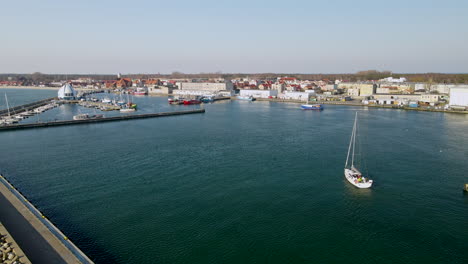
point(352, 174)
point(9, 119)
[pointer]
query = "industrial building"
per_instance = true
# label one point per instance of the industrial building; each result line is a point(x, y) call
point(301, 96)
point(459, 96)
point(258, 93)
point(206, 86)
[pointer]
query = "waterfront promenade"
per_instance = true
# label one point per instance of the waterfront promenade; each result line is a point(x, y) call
point(40, 240)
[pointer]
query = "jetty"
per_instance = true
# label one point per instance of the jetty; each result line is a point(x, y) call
point(26, 107)
point(41, 241)
point(98, 120)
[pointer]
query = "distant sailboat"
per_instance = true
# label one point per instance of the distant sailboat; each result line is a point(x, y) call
point(352, 174)
point(9, 119)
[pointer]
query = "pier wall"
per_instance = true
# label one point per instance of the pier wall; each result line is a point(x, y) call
point(26, 107)
point(97, 120)
point(40, 239)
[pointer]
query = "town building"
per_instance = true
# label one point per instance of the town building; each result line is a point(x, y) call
point(300, 96)
point(258, 93)
point(160, 90)
point(393, 80)
point(430, 98)
point(459, 96)
point(204, 88)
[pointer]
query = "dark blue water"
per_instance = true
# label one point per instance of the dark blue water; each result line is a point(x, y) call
point(250, 182)
point(23, 96)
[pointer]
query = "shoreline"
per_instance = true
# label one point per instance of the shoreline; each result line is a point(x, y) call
point(30, 87)
point(350, 103)
point(29, 226)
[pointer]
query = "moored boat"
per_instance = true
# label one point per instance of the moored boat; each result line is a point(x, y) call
point(246, 98)
point(87, 117)
point(127, 110)
point(191, 102)
point(312, 107)
point(207, 99)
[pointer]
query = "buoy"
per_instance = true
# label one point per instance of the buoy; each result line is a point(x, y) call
point(466, 187)
point(66, 238)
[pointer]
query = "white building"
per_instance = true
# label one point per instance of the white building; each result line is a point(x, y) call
point(301, 96)
point(193, 92)
point(280, 87)
point(430, 98)
point(214, 87)
point(66, 92)
point(258, 93)
point(353, 91)
point(163, 90)
point(445, 88)
point(393, 80)
point(459, 96)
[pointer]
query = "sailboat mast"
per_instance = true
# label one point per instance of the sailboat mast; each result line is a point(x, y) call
point(354, 139)
point(349, 147)
point(8, 107)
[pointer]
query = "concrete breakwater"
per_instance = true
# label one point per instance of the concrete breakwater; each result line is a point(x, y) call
point(26, 107)
point(40, 239)
point(96, 120)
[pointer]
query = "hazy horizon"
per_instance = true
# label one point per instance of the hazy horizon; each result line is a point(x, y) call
point(300, 37)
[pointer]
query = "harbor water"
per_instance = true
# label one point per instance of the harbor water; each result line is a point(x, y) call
point(248, 182)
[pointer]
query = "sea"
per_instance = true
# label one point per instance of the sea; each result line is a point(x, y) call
point(247, 182)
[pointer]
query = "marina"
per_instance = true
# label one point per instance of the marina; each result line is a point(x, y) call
point(159, 182)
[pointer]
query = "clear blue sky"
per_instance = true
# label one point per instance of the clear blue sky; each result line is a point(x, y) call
point(233, 36)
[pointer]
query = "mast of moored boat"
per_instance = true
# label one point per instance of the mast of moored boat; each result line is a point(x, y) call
point(351, 144)
point(8, 107)
point(354, 140)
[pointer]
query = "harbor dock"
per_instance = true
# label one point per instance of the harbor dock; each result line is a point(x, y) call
point(106, 119)
point(27, 107)
point(40, 240)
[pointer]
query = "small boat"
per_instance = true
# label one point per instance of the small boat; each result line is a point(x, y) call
point(207, 99)
point(246, 98)
point(312, 107)
point(87, 117)
point(352, 174)
point(127, 110)
point(191, 102)
point(140, 91)
point(106, 100)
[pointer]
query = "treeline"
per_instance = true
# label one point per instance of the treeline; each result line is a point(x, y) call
point(370, 75)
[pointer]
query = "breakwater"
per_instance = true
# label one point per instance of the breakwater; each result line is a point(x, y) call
point(27, 107)
point(41, 240)
point(96, 120)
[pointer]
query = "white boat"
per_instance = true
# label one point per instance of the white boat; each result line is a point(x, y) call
point(246, 98)
point(127, 110)
point(106, 100)
point(87, 117)
point(352, 174)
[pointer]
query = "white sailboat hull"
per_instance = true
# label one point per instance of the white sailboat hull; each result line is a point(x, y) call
point(350, 175)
